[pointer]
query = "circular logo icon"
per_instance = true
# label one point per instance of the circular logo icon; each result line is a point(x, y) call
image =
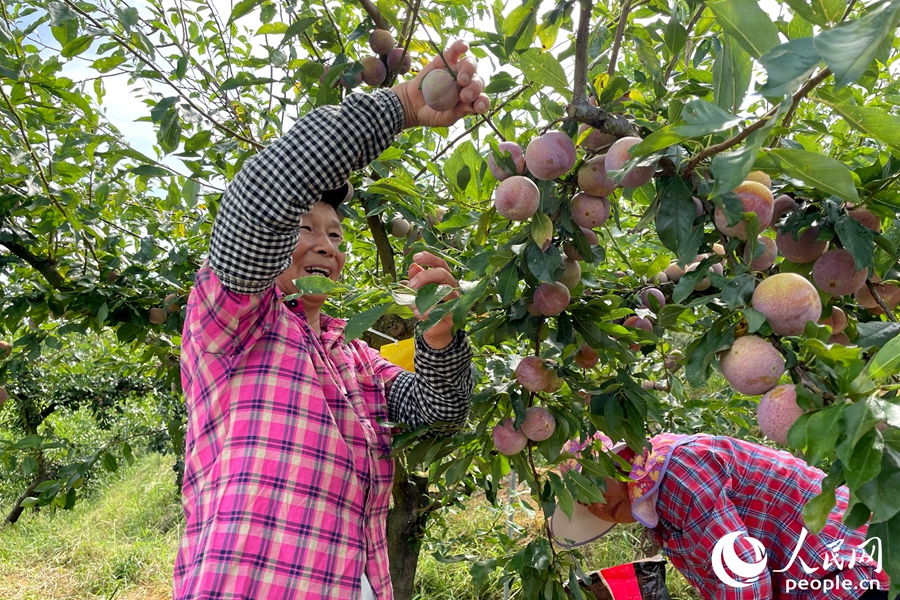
point(724, 552)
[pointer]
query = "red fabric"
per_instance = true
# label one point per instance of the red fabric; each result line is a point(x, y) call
point(622, 582)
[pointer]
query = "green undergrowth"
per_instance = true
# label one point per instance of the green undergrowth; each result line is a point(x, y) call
point(121, 543)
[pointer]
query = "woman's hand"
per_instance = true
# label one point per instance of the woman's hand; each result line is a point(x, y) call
point(472, 100)
point(428, 268)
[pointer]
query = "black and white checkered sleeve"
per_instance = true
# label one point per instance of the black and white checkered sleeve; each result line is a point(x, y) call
point(439, 391)
point(258, 222)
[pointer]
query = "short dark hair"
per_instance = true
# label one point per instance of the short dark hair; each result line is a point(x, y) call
point(336, 197)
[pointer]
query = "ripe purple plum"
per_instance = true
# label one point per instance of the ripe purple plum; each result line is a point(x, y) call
point(381, 41)
point(616, 157)
point(592, 177)
point(517, 156)
point(440, 90)
point(674, 272)
point(760, 177)
point(636, 322)
point(374, 70)
point(766, 259)
point(595, 140)
point(757, 199)
point(586, 357)
point(158, 316)
point(788, 301)
point(550, 156)
point(571, 276)
point(539, 424)
point(572, 252)
point(654, 292)
point(866, 218)
point(783, 204)
point(551, 298)
point(803, 249)
point(531, 374)
point(835, 272)
point(840, 338)
point(517, 198)
point(394, 61)
point(698, 207)
point(589, 211)
point(752, 366)
point(777, 411)
point(507, 440)
point(837, 320)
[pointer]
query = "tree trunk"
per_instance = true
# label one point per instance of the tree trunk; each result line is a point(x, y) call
point(405, 527)
point(42, 475)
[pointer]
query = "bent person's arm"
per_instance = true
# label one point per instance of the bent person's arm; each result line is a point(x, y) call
point(440, 390)
point(257, 225)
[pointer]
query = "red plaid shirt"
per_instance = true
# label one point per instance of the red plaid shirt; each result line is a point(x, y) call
point(717, 485)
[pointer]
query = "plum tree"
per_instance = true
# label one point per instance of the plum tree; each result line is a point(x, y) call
point(516, 155)
point(619, 154)
point(783, 204)
point(539, 424)
point(550, 155)
point(766, 258)
point(596, 139)
point(835, 272)
point(586, 357)
point(507, 439)
point(803, 248)
point(788, 301)
point(381, 41)
point(752, 365)
point(756, 198)
point(398, 62)
point(551, 298)
point(837, 320)
point(777, 411)
point(517, 198)
point(374, 71)
point(592, 177)
point(531, 374)
point(440, 90)
point(571, 276)
point(655, 293)
point(589, 211)
point(866, 218)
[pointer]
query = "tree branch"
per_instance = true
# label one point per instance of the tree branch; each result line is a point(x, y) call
point(601, 120)
point(801, 93)
point(581, 51)
point(382, 245)
point(617, 42)
point(42, 265)
point(380, 22)
point(887, 311)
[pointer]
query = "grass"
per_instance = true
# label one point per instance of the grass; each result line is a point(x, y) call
point(121, 544)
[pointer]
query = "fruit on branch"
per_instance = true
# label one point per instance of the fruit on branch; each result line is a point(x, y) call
point(517, 198)
point(399, 226)
point(507, 440)
point(866, 218)
point(381, 41)
point(764, 261)
point(437, 215)
point(616, 157)
point(752, 366)
point(890, 294)
point(516, 155)
point(674, 272)
point(586, 357)
point(349, 85)
point(595, 140)
point(394, 63)
point(158, 316)
point(112, 276)
point(592, 177)
point(660, 277)
point(171, 303)
point(777, 411)
point(550, 155)
point(760, 177)
point(555, 382)
point(788, 301)
point(705, 283)
point(551, 298)
point(531, 374)
point(840, 338)
point(783, 204)
point(718, 249)
point(589, 211)
point(440, 90)
point(648, 385)
point(698, 207)
point(835, 272)
point(803, 249)
point(671, 362)
point(654, 292)
point(756, 198)
point(539, 424)
point(374, 71)
point(6, 349)
point(837, 320)
point(571, 276)
point(636, 322)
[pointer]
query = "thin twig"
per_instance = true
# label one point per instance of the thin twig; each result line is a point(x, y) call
point(372, 11)
point(337, 31)
point(690, 27)
point(617, 42)
point(581, 51)
point(887, 311)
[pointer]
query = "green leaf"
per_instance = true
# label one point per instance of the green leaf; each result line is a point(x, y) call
point(545, 70)
point(318, 284)
point(703, 350)
point(110, 463)
point(169, 133)
point(788, 66)
point(198, 141)
point(731, 75)
point(190, 191)
point(77, 46)
point(857, 239)
point(882, 494)
point(243, 80)
point(429, 295)
point(150, 171)
point(272, 28)
point(297, 27)
point(876, 334)
point(865, 460)
point(360, 322)
point(583, 489)
point(871, 120)
point(820, 12)
point(818, 171)
point(826, 427)
point(747, 23)
point(508, 283)
point(481, 571)
point(542, 264)
point(816, 511)
point(849, 49)
point(699, 118)
point(108, 63)
point(675, 219)
point(102, 314)
point(541, 228)
point(886, 362)
point(888, 531)
point(242, 8)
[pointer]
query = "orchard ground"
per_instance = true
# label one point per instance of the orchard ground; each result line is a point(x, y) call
point(121, 544)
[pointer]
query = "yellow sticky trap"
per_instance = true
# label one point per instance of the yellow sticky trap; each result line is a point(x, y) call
point(401, 354)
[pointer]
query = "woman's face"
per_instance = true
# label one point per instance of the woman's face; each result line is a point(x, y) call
point(318, 250)
point(617, 508)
